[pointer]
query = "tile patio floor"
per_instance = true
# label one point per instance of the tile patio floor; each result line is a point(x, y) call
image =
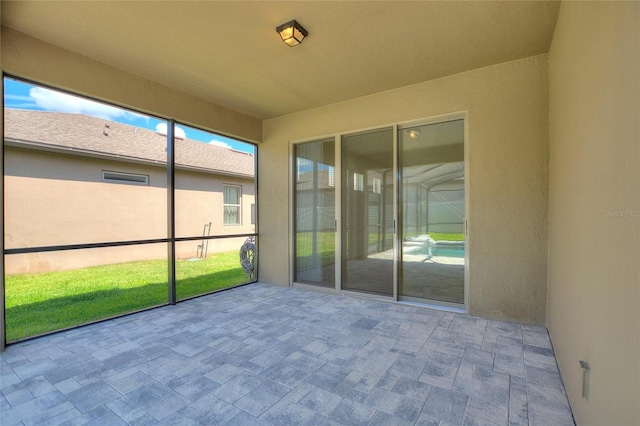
point(262, 354)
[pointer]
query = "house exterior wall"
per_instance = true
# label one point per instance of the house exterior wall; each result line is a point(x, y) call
point(507, 151)
point(58, 199)
point(594, 200)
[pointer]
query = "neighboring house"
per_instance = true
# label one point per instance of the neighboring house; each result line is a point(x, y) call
point(321, 215)
point(97, 180)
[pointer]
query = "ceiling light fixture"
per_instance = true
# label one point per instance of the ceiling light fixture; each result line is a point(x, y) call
point(292, 33)
point(414, 133)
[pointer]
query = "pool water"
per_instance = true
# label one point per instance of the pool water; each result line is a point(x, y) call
point(448, 251)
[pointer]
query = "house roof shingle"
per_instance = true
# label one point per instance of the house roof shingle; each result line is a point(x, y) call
point(86, 135)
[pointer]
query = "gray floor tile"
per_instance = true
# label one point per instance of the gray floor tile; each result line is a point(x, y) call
point(320, 401)
point(388, 381)
point(127, 383)
point(285, 374)
point(541, 415)
point(32, 369)
point(551, 397)
point(439, 375)
point(235, 388)
point(91, 396)
point(328, 377)
point(478, 357)
point(518, 404)
point(244, 419)
point(251, 406)
point(209, 410)
point(513, 366)
point(224, 373)
point(269, 355)
point(33, 408)
point(286, 413)
point(449, 406)
point(382, 418)
point(105, 417)
point(65, 417)
point(395, 404)
point(18, 394)
point(490, 413)
point(412, 388)
point(537, 354)
point(407, 366)
point(352, 413)
point(193, 386)
point(547, 376)
point(424, 420)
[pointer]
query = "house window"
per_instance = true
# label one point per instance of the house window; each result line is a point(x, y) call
point(303, 170)
point(232, 194)
point(377, 185)
point(331, 176)
point(130, 178)
point(358, 182)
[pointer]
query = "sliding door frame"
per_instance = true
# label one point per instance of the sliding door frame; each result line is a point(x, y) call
point(457, 307)
point(397, 211)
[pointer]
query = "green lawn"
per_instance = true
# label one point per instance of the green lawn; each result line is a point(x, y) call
point(304, 250)
point(441, 236)
point(326, 247)
point(37, 303)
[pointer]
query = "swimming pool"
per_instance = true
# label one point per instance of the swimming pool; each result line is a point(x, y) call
point(456, 251)
point(443, 249)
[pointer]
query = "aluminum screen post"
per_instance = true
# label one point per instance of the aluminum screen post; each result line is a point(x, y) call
point(171, 210)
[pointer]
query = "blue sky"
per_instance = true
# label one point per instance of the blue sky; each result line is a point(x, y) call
point(20, 95)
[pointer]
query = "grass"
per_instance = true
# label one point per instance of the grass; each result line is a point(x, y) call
point(304, 250)
point(38, 303)
point(326, 247)
point(440, 236)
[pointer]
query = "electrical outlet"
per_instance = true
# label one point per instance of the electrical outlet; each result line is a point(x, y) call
point(584, 366)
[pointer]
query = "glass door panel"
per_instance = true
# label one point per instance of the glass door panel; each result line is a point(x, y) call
point(315, 213)
point(433, 212)
point(367, 212)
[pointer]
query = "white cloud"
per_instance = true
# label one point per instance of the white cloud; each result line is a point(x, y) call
point(179, 131)
point(9, 97)
point(51, 100)
point(219, 143)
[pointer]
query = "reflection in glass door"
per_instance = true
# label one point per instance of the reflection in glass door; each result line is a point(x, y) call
point(367, 212)
point(433, 212)
point(315, 213)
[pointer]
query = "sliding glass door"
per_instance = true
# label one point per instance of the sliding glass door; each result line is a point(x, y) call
point(315, 213)
point(352, 190)
point(367, 212)
point(433, 212)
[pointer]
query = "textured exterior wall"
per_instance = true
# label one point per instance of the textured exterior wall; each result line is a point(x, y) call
point(594, 224)
point(36, 60)
point(56, 199)
point(507, 149)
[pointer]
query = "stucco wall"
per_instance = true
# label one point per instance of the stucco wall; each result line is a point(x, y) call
point(34, 59)
point(508, 187)
point(57, 199)
point(594, 223)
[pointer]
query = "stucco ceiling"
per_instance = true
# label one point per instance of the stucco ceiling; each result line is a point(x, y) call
point(228, 53)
